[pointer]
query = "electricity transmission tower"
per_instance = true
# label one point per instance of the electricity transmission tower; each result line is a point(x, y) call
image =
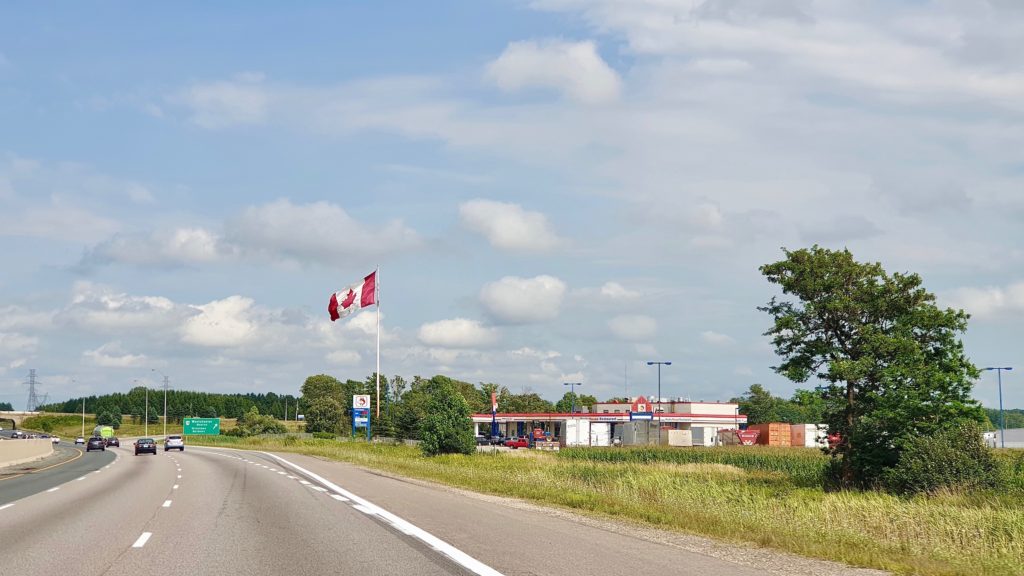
point(33, 396)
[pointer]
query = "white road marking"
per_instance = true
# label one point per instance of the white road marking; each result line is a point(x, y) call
point(167, 503)
point(142, 540)
point(363, 509)
point(283, 473)
point(458, 556)
point(179, 476)
point(5, 506)
point(306, 482)
point(319, 488)
point(80, 478)
point(175, 487)
point(272, 469)
point(54, 489)
point(339, 498)
point(292, 477)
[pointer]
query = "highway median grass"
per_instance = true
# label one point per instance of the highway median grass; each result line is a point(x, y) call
point(751, 495)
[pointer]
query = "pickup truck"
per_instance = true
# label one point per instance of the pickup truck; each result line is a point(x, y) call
point(520, 442)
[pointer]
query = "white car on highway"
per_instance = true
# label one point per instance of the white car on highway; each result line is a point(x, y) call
point(55, 439)
point(174, 443)
point(79, 440)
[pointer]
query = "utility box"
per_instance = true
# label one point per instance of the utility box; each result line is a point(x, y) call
point(600, 434)
point(682, 438)
point(577, 433)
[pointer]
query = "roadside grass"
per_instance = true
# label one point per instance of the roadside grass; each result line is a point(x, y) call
point(759, 500)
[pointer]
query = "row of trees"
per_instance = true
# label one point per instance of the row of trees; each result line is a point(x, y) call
point(180, 404)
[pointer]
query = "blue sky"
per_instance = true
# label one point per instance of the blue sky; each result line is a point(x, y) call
point(555, 190)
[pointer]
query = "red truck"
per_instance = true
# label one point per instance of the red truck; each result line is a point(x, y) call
point(519, 442)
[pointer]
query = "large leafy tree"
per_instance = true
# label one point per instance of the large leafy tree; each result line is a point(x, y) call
point(324, 414)
point(892, 359)
point(581, 400)
point(447, 428)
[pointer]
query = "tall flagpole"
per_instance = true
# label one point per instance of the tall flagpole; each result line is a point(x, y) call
point(376, 298)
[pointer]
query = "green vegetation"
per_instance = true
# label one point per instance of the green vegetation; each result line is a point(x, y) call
point(758, 404)
point(893, 359)
point(979, 534)
point(253, 423)
point(955, 459)
point(180, 403)
point(1014, 418)
point(446, 428)
point(6, 406)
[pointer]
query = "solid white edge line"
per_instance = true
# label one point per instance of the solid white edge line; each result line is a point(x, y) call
point(54, 489)
point(339, 497)
point(5, 506)
point(458, 556)
point(142, 540)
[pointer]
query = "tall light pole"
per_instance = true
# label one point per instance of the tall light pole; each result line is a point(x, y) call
point(1002, 423)
point(572, 393)
point(166, 379)
point(659, 363)
point(145, 425)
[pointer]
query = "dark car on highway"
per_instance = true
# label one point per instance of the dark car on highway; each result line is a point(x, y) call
point(143, 445)
point(112, 441)
point(95, 443)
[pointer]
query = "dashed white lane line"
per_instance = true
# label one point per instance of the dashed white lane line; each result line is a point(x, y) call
point(167, 503)
point(54, 489)
point(80, 478)
point(305, 482)
point(339, 498)
point(5, 506)
point(293, 477)
point(179, 476)
point(175, 487)
point(142, 540)
point(283, 473)
point(319, 488)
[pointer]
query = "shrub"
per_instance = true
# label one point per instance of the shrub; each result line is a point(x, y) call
point(447, 429)
point(324, 435)
point(255, 423)
point(955, 459)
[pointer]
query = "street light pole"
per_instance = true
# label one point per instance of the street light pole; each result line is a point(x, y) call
point(572, 393)
point(1002, 422)
point(659, 363)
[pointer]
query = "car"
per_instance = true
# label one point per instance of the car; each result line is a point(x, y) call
point(498, 440)
point(519, 442)
point(79, 440)
point(95, 443)
point(55, 439)
point(143, 445)
point(113, 441)
point(482, 441)
point(174, 443)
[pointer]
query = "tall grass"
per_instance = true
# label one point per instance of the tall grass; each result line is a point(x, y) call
point(745, 499)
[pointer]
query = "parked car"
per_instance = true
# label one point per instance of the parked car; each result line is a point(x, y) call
point(79, 441)
point(113, 441)
point(482, 441)
point(519, 442)
point(174, 443)
point(95, 443)
point(498, 440)
point(143, 445)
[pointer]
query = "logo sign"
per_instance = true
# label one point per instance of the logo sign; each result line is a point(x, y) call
point(641, 415)
point(641, 405)
point(361, 401)
point(201, 426)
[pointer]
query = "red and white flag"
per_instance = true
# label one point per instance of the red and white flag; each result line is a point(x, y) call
point(356, 296)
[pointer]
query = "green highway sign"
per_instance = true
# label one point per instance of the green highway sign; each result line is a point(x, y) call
point(202, 426)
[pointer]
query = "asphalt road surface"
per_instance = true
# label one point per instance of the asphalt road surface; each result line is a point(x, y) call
point(67, 463)
point(215, 511)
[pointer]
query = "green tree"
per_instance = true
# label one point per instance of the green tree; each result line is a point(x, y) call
point(895, 366)
point(566, 404)
point(6, 406)
point(447, 428)
point(758, 404)
point(208, 412)
point(324, 414)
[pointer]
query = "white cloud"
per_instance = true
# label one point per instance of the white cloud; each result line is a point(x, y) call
point(178, 246)
point(524, 300)
point(508, 226)
point(112, 355)
point(457, 333)
point(617, 291)
point(989, 302)
point(527, 352)
point(239, 101)
point(319, 231)
point(98, 308)
point(13, 343)
point(221, 323)
point(716, 338)
point(633, 327)
point(344, 357)
point(573, 68)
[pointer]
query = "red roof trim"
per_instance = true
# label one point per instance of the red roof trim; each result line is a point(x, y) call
point(553, 415)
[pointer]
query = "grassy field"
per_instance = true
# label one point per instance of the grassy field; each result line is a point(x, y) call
point(756, 500)
point(70, 425)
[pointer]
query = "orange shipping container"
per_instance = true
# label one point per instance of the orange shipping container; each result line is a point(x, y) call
point(773, 434)
point(798, 434)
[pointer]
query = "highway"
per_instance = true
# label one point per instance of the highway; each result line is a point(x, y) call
point(66, 464)
point(217, 511)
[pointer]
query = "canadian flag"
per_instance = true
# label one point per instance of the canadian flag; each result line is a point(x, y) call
point(356, 296)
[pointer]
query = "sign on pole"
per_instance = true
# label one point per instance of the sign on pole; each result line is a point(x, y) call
point(201, 426)
point(360, 400)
